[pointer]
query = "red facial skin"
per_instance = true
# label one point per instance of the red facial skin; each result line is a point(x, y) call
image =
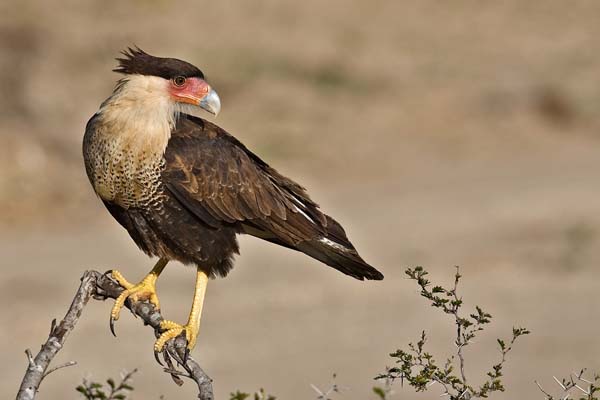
point(192, 91)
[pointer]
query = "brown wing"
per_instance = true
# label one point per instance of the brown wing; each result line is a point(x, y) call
point(222, 182)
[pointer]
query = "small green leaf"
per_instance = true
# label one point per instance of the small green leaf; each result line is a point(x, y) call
point(81, 389)
point(125, 386)
point(502, 344)
point(238, 396)
point(379, 392)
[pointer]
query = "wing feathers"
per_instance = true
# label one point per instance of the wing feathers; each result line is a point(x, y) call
point(227, 183)
point(221, 182)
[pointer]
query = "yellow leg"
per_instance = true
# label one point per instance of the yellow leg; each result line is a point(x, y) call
point(145, 290)
point(173, 329)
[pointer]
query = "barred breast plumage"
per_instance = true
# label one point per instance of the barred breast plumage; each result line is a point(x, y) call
point(119, 172)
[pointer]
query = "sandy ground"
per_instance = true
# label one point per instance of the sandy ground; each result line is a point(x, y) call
point(440, 134)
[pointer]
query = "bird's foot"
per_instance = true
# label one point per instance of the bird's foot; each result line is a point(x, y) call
point(172, 330)
point(145, 290)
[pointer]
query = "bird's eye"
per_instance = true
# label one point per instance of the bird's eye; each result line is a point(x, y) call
point(179, 80)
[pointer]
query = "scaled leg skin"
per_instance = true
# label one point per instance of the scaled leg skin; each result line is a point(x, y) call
point(145, 290)
point(173, 329)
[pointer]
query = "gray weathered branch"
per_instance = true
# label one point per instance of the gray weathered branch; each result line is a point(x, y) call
point(100, 286)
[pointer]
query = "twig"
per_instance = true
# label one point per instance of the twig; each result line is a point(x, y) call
point(542, 389)
point(334, 388)
point(100, 287)
point(460, 342)
point(574, 381)
point(65, 365)
point(37, 366)
point(419, 368)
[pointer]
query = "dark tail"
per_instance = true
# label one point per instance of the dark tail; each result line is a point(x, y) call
point(336, 251)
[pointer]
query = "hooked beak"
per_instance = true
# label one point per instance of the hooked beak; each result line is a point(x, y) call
point(197, 92)
point(211, 102)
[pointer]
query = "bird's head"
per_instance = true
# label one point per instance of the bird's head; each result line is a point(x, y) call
point(167, 78)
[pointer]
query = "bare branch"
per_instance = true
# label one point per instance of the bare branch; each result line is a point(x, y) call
point(58, 334)
point(65, 365)
point(100, 286)
point(542, 389)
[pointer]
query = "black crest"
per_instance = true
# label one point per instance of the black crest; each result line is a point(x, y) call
point(137, 61)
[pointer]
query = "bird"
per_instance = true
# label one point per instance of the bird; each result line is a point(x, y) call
point(184, 188)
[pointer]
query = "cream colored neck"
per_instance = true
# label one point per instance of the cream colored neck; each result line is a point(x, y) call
point(140, 114)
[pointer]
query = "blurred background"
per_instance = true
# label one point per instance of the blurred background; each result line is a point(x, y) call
point(439, 133)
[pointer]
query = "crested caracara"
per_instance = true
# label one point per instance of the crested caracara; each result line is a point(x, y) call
point(184, 188)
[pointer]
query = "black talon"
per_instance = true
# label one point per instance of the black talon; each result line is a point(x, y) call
point(158, 358)
point(108, 272)
point(186, 354)
point(168, 360)
point(112, 326)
